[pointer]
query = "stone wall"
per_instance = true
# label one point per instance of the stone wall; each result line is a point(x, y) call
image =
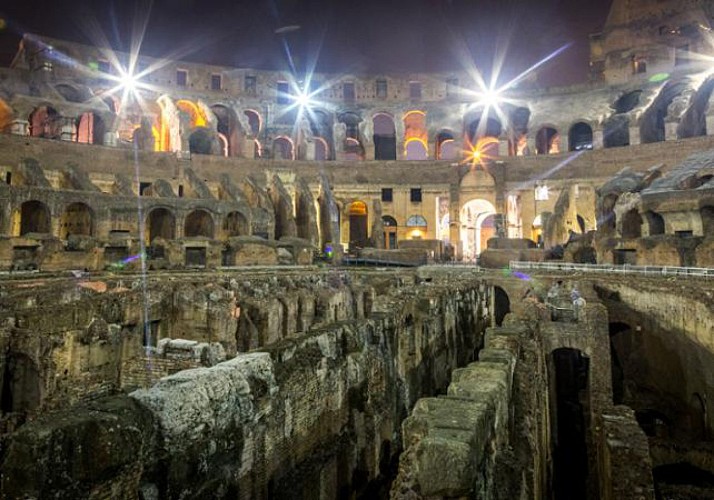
point(312, 416)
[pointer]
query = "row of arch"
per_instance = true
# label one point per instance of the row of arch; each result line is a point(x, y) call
point(78, 219)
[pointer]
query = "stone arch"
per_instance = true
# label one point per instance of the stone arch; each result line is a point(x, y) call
point(90, 128)
point(322, 150)
point(21, 385)
point(481, 133)
point(390, 226)
point(446, 148)
point(655, 223)
point(652, 123)
point(322, 126)
point(501, 305)
point(631, 224)
point(77, 219)
point(580, 137)
point(416, 146)
point(518, 140)
point(547, 140)
point(45, 122)
point(198, 223)
point(191, 114)
point(357, 212)
point(229, 133)
point(627, 102)
point(235, 224)
point(160, 223)
point(35, 218)
point(472, 215)
point(385, 137)
point(283, 148)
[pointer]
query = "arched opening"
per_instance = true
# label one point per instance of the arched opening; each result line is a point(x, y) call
point(45, 122)
point(254, 122)
point(694, 120)
point(631, 224)
point(477, 129)
point(21, 385)
point(34, 218)
point(353, 150)
point(547, 141)
point(322, 151)
point(385, 137)
point(415, 149)
point(570, 422)
point(446, 148)
point(627, 102)
point(390, 232)
point(199, 223)
point(580, 137)
point(190, 114)
point(415, 136)
point(488, 230)
point(707, 215)
point(616, 132)
point(655, 222)
point(501, 305)
point(652, 123)
point(283, 148)
point(518, 142)
point(146, 137)
point(227, 129)
point(90, 129)
point(358, 225)
point(321, 126)
point(416, 227)
point(473, 214)
point(235, 224)
point(161, 223)
point(201, 141)
point(77, 219)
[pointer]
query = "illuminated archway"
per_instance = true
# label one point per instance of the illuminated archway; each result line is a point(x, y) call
point(45, 122)
point(446, 148)
point(6, 116)
point(90, 129)
point(482, 133)
point(358, 224)
point(415, 136)
point(196, 117)
point(283, 148)
point(416, 227)
point(385, 137)
point(473, 214)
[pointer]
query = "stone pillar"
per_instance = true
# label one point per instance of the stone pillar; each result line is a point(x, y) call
point(502, 147)
point(431, 151)
point(110, 139)
point(69, 130)
point(310, 150)
point(399, 131)
point(670, 131)
point(634, 136)
point(20, 127)
point(598, 139)
point(531, 142)
point(564, 142)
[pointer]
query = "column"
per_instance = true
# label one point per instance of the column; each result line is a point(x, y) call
point(634, 136)
point(68, 130)
point(598, 139)
point(20, 127)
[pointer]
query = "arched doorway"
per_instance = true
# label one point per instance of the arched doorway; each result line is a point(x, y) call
point(631, 224)
point(652, 121)
point(580, 137)
point(547, 141)
point(473, 214)
point(385, 137)
point(283, 148)
point(77, 219)
point(235, 224)
point(45, 122)
point(90, 129)
point(501, 305)
point(390, 232)
point(161, 223)
point(34, 218)
point(446, 148)
point(198, 223)
point(415, 136)
point(358, 225)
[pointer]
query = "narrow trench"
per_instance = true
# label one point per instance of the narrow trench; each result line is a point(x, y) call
point(570, 426)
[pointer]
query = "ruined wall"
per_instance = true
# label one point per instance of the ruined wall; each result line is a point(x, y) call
point(313, 416)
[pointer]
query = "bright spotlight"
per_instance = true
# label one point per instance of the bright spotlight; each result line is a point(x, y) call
point(491, 98)
point(128, 82)
point(302, 99)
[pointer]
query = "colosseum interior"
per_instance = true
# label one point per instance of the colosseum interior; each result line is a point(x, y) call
point(220, 282)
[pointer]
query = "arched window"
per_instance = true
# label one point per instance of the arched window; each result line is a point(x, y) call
point(198, 223)
point(34, 218)
point(161, 223)
point(385, 137)
point(283, 148)
point(547, 141)
point(580, 137)
point(77, 219)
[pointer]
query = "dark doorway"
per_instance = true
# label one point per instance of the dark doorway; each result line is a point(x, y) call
point(501, 305)
point(570, 425)
point(34, 218)
point(385, 137)
point(358, 225)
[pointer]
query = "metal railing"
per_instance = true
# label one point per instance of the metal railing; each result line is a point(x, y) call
point(613, 268)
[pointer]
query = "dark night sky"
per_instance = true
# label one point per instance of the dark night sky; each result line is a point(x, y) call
point(354, 36)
